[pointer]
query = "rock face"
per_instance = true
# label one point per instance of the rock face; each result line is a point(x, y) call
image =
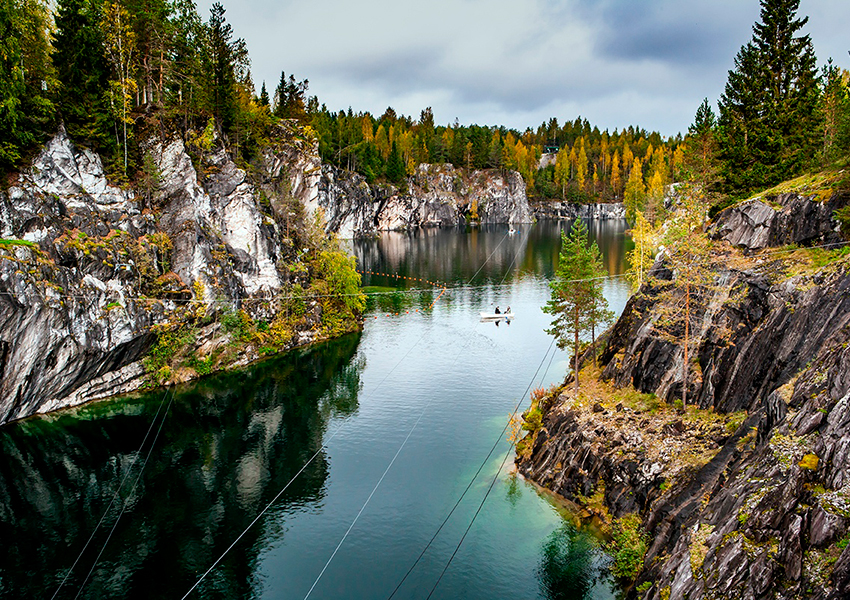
point(437, 196)
point(567, 210)
point(87, 268)
point(785, 219)
point(764, 509)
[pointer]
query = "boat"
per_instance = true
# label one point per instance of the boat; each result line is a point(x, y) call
point(496, 316)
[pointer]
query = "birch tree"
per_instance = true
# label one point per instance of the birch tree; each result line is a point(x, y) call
point(119, 43)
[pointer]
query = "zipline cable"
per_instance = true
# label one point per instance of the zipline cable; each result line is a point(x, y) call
point(114, 497)
point(412, 429)
point(294, 477)
point(495, 478)
point(130, 495)
point(480, 467)
point(466, 489)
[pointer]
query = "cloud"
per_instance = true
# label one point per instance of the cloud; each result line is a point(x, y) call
point(616, 62)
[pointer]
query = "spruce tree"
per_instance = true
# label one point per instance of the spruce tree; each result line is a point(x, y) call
point(768, 116)
point(701, 150)
point(81, 67)
point(577, 303)
point(835, 112)
point(26, 77)
point(395, 166)
point(223, 57)
point(264, 96)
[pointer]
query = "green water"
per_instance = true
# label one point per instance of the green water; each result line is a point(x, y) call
point(426, 392)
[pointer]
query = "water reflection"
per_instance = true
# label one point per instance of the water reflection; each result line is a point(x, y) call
point(572, 566)
point(229, 444)
point(456, 255)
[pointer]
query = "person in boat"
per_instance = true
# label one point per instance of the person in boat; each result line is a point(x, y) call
point(508, 310)
point(497, 311)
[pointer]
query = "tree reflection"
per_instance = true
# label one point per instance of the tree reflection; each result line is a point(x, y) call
point(229, 444)
point(570, 564)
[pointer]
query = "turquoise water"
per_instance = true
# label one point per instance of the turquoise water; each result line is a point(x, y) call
point(415, 402)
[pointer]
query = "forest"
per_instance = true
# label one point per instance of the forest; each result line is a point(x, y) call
point(113, 70)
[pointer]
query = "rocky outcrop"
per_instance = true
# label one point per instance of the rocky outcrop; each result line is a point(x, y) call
point(781, 220)
point(546, 209)
point(747, 494)
point(88, 269)
point(436, 196)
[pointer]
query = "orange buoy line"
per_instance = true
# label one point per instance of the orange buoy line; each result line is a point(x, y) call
point(428, 281)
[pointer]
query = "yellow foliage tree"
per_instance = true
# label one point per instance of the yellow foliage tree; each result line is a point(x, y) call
point(562, 170)
point(119, 42)
point(581, 167)
point(635, 193)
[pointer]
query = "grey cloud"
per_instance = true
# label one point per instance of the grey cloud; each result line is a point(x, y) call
point(616, 62)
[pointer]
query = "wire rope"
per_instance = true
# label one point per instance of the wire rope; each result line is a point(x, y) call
point(480, 467)
point(321, 449)
point(114, 497)
point(401, 447)
point(127, 499)
point(495, 478)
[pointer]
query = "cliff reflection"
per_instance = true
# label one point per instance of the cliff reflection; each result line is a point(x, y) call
point(228, 445)
point(443, 255)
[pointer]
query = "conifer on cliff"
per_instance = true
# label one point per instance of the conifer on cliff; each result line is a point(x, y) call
point(768, 116)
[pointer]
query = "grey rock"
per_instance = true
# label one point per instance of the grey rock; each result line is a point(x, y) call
point(781, 220)
point(568, 210)
point(74, 322)
point(437, 196)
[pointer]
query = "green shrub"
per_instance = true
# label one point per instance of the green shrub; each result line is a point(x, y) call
point(202, 366)
point(532, 419)
point(629, 544)
point(170, 340)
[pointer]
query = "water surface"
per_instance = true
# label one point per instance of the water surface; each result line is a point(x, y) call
point(427, 392)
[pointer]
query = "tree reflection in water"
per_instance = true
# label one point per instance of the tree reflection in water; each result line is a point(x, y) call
point(228, 445)
point(571, 565)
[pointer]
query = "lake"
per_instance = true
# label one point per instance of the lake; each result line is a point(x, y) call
point(358, 448)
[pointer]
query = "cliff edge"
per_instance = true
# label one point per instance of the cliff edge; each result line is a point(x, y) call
point(746, 494)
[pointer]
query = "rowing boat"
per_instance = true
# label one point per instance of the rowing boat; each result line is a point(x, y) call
point(494, 316)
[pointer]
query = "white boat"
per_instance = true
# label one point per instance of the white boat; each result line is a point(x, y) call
point(496, 316)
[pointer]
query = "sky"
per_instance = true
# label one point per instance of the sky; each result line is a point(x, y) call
point(516, 63)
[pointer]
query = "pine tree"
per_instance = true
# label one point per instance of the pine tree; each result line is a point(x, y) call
point(687, 253)
point(768, 115)
point(577, 303)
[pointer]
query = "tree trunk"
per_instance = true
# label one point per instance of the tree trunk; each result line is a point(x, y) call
point(575, 329)
point(687, 343)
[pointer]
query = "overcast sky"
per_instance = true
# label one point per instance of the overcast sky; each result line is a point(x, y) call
point(516, 62)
